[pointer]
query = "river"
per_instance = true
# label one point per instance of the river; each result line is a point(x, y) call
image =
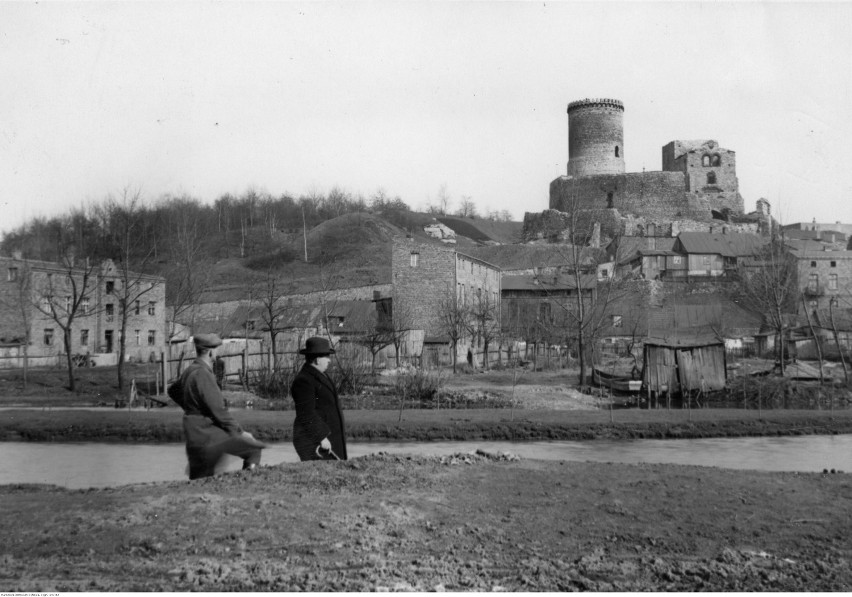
point(82, 465)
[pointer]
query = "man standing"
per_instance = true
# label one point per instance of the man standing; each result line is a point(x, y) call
point(209, 429)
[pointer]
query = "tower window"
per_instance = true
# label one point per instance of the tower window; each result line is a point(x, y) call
point(616, 151)
point(609, 199)
point(711, 178)
point(715, 160)
point(705, 160)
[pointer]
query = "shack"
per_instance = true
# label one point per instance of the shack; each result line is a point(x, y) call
point(678, 361)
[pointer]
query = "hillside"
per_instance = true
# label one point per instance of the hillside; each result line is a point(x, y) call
point(354, 249)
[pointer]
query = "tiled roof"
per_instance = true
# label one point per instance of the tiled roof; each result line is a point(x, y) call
point(832, 255)
point(727, 245)
point(547, 283)
point(519, 257)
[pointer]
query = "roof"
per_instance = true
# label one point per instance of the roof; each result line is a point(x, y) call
point(832, 255)
point(842, 319)
point(548, 283)
point(728, 245)
point(520, 257)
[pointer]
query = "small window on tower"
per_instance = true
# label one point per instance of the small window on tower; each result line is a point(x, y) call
point(711, 178)
point(705, 160)
point(715, 160)
point(616, 151)
point(609, 200)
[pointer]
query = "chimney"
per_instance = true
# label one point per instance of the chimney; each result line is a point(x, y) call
point(595, 241)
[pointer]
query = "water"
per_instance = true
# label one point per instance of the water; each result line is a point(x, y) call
point(80, 465)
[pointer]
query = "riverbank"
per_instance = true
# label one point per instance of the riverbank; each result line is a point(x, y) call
point(454, 523)
point(164, 425)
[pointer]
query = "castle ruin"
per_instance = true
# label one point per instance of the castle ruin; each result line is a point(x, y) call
point(696, 187)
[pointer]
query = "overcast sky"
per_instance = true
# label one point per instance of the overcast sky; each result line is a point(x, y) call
point(208, 98)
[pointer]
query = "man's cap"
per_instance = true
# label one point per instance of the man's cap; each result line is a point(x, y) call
point(317, 347)
point(207, 340)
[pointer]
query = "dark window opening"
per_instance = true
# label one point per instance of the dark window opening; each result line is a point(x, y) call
point(715, 160)
point(833, 264)
point(813, 263)
point(616, 151)
point(711, 178)
point(110, 286)
point(609, 199)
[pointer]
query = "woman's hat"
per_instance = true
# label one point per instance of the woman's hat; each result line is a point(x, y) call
point(317, 347)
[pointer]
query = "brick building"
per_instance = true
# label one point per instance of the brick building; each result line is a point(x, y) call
point(824, 278)
point(426, 273)
point(39, 287)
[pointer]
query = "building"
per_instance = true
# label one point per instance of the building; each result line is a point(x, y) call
point(41, 295)
point(823, 277)
point(711, 254)
point(428, 274)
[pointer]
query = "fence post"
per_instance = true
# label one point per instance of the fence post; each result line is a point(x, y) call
point(162, 372)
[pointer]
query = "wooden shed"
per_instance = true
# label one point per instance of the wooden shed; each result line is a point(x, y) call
point(679, 360)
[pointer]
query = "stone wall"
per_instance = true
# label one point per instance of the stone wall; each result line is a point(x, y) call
point(595, 137)
point(420, 285)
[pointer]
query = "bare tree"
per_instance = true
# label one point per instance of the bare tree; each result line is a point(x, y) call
point(375, 333)
point(274, 309)
point(132, 252)
point(186, 278)
point(467, 208)
point(61, 296)
point(484, 320)
point(402, 322)
point(443, 200)
point(453, 320)
point(768, 286)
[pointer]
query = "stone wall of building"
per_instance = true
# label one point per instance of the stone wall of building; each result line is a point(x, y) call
point(424, 275)
point(833, 271)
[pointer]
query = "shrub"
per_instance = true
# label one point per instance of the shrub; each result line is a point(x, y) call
point(273, 383)
point(418, 384)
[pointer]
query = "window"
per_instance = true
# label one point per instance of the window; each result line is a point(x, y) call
point(833, 264)
point(676, 259)
point(604, 273)
point(609, 199)
point(813, 282)
point(812, 305)
point(616, 151)
point(832, 302)
point(706, 260)
point(832, 281)
point(152, 337)
point(84, 337)
point(137, 337)
point(715, 160)
point(45, 303)
point(813, 263)
point(705, 160)
point(617, 321)
point(48, 336)
point(250, 325)
point(13, 274)
point(138, 306)
point(711, 178)
point(84, 306)
point(415, 258)
point(110, 312)
point(151, 307)
point(110, 287)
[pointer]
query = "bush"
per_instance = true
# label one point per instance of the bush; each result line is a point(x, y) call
point(273, 384)
point(418, 384)
point(350, 369)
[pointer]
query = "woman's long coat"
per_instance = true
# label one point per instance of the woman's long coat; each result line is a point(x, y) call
point(318, 414)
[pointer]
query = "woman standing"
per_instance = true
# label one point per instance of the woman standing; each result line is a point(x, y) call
point(318, 431)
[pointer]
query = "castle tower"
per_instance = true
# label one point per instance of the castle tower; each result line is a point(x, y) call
point(595, 137)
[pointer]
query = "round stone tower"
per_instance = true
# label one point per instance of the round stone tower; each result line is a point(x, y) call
point(595, 137)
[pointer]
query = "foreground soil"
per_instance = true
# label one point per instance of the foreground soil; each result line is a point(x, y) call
point(465, 522)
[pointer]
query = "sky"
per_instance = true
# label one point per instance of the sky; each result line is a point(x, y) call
point(208, 98)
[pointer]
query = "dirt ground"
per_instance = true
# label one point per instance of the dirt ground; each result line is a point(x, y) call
point(454, 523)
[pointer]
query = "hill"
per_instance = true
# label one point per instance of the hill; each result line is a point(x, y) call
point(354, 248)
